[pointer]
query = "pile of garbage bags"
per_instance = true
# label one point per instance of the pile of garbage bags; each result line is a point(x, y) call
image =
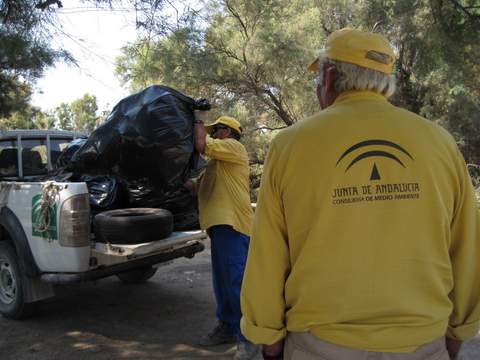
point(141, 156)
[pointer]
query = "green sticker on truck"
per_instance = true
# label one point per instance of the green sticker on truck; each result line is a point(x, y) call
point(44, 219)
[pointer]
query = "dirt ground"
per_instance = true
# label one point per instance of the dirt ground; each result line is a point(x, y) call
point(162, 319)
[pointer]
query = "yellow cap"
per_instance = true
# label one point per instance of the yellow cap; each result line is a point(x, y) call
point(357, 47)
point(225, 120)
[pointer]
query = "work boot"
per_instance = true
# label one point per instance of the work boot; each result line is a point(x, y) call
point(247, 351)
point(221, 334)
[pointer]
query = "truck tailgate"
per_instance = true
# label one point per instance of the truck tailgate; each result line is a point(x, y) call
point(109, 259)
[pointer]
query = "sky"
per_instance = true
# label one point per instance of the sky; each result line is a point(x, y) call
point(95, 38)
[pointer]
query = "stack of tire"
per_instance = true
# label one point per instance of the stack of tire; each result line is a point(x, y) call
point(133, 226)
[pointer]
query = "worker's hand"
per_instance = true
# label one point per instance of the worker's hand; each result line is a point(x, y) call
point(453, 347)
point(190, 186)
point(201, 115)
point(274, 351)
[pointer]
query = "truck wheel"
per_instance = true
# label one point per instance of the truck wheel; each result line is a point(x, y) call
point(133, 226)
point(12, 303)
point(137, 276)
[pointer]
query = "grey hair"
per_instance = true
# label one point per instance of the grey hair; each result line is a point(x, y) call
point(353, 77)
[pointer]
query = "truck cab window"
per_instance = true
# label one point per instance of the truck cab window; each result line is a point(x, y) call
point(8, 158)
point(34, 157)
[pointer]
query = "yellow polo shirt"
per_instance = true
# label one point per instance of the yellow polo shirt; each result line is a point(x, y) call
point(223, 190)
point(366, 232)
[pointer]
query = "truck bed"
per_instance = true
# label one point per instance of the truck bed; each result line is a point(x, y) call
point(109, 254)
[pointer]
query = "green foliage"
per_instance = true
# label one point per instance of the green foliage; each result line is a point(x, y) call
point(14, 94)
point(249, 58)
point(474, 171)
point(27, 28)
point(80, 115)
point(25, 51)
point(64, 116)
point(222, 63)
point(29, 117)
point(84, 112)
point(438, 68)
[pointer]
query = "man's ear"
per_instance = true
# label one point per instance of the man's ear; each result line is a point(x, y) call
point(329, 78)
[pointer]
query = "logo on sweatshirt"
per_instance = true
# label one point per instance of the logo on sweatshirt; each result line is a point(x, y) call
point(385, 152)
point(377, 191)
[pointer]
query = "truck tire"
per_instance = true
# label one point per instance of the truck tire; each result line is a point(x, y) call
point(12, 300)
point(133, 226)
point(137, 276)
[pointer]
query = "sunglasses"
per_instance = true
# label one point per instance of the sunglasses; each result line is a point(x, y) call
point(219, 127)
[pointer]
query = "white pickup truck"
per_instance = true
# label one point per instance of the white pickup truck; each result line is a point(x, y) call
point(35, 254)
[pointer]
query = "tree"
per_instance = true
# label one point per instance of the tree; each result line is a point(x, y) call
point(29, 117)
point(242, 61)
point(249, 52)
point(252, 54)
point(25, 51)
point(437, 68)
point(80, 115)
point(27, 28)
point(63, 117)
point(14, 94)
point(84, 111)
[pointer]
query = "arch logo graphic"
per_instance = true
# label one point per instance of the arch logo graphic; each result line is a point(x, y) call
point(387, 153)
point(375, 190)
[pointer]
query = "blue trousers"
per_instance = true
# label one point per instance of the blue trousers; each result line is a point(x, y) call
point(229, 256)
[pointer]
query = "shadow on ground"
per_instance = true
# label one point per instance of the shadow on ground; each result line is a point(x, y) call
point(161, 319)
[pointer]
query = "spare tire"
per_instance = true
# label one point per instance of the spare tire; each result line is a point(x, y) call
point(133, 226)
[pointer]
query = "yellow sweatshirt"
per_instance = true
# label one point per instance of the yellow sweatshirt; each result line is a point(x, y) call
point(223, 191)
point(366, 232)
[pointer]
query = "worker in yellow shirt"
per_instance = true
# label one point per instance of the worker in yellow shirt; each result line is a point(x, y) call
point(226, 213)
point(366, 239)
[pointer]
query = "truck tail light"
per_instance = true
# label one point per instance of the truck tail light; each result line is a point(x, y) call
point(75, 221)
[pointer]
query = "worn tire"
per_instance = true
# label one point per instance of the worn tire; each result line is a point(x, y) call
point(12, 300)
point(137, 276)
point(133, 226)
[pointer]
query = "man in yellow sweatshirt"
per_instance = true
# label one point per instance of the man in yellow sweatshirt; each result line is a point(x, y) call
point(366, 239)
point(226, 213)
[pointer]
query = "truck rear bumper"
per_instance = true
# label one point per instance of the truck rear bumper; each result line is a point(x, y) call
point(105, 271)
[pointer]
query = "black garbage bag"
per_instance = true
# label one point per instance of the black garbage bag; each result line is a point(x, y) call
point(105, 193)
point(148, 143)
point(66, 155)
point(179, 201)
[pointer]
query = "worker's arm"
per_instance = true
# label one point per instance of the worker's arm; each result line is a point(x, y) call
point(268, 265)
point(225, 150)
point(228, 150)
point(465, 258)
point(200, 133)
